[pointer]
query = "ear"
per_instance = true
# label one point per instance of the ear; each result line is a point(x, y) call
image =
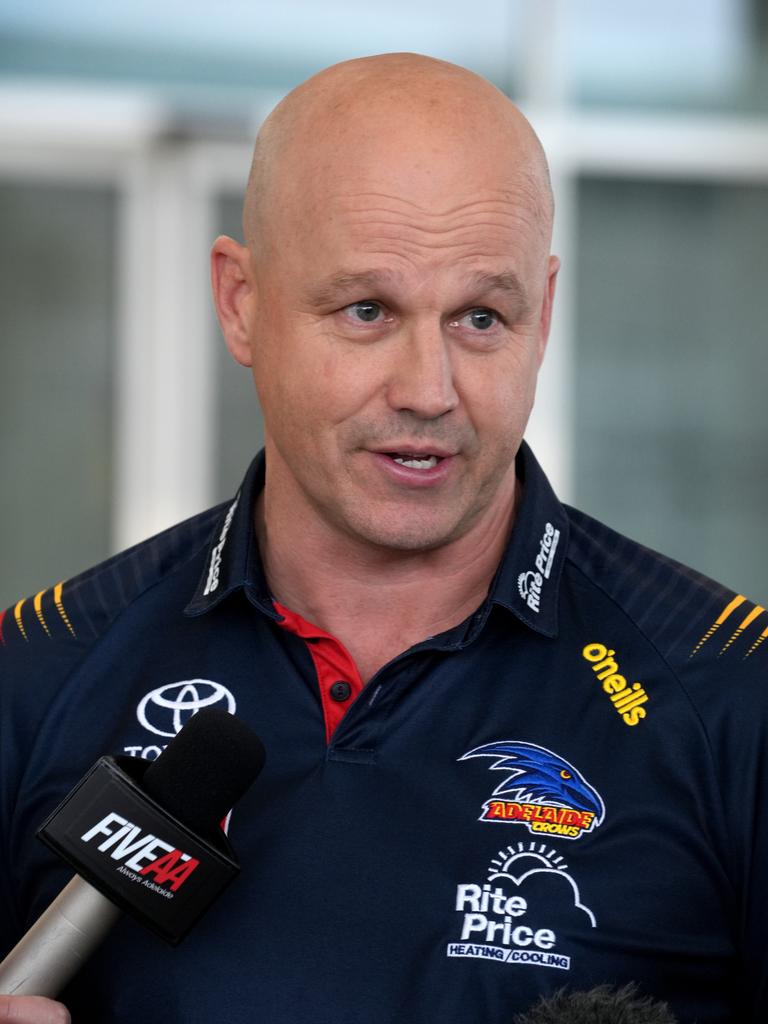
point(234, 295)
point(545, 322)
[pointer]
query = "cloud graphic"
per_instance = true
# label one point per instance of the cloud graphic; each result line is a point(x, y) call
point(538, 882)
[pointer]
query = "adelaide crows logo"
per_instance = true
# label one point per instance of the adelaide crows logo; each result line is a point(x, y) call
point(541, 791)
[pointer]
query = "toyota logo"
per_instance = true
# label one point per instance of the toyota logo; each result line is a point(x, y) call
point(164, 711)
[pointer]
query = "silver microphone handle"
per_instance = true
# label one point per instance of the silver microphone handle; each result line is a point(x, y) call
point(59, 942)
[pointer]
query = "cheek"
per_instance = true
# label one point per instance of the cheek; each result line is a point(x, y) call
point(346, 379)
point(307, 384)
point(284, 359)
point(500, 395)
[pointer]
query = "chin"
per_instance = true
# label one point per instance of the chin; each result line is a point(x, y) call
point(405, 536)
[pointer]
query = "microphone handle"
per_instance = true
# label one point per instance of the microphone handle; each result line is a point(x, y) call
point(59, 942)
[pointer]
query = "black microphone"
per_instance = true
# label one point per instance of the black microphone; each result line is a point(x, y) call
point(144, 838)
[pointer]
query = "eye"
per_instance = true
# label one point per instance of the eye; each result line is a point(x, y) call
point(480, 319)
point(366, 312)
point(565, 775)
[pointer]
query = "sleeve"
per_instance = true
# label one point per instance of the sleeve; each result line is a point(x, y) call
point(735, 713)
point(38, 650)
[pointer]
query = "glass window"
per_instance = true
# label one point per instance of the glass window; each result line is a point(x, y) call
point(671, 414)
point(57, 341)
point(177, 45)
point(709, 55)
point(239, 427)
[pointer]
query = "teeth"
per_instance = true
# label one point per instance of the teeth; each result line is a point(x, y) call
point(429, 463)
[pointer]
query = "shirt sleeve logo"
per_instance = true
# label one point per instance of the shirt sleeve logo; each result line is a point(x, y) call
point(541, 791)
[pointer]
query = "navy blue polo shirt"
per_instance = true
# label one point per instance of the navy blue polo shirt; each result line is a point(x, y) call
point(568, 788)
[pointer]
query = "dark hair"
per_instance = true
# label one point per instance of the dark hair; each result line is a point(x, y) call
point(601, 1005)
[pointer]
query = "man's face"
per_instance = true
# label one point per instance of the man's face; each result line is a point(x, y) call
point(399, 324)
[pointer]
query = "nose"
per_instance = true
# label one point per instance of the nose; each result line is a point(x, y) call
point(421, 378)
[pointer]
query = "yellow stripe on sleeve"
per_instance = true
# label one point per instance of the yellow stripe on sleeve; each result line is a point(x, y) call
point(39, 611)
point(757, 610)
point(17, 616)
point(761, 639)
point(728, 610)
point(57, 592)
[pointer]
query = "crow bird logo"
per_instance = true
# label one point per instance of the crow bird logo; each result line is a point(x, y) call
point(536, 775)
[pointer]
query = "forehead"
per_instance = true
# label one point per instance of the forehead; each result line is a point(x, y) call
point(476, 230)
point(436, 212)
point(434, 183)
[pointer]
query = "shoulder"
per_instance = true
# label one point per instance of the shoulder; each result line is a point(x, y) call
point(705, 632)
point(45, 635)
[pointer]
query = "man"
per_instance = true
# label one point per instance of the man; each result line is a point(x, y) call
point(507, 749)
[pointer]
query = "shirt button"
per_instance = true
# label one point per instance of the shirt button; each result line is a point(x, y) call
point(340, 690)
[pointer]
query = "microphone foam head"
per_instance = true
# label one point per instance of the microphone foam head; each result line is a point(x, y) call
point(205, 769)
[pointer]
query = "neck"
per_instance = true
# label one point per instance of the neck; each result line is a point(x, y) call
point(378, 602)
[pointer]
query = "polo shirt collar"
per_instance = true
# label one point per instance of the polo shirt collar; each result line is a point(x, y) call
point(526, 583)
point(233, 561)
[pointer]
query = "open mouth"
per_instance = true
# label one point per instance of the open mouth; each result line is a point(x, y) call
point(415, 461)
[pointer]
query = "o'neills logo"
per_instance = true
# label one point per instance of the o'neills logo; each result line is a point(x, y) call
point(142, 856)
point(542, 791)
point(627, 698)
point(530, 583)
point(214, 568)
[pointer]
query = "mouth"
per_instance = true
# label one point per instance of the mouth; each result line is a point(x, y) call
point(408, 466)
point(411, 461)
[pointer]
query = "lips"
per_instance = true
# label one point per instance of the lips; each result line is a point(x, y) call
point(415, 452)
point(410, 466)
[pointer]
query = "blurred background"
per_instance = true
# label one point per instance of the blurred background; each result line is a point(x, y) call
point(125, 136)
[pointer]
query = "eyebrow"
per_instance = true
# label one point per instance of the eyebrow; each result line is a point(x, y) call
point(507, 281)
point(369, 282)
point(362, 282)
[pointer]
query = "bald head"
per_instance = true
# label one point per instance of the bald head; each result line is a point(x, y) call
point(406, 118)
point(393, 302)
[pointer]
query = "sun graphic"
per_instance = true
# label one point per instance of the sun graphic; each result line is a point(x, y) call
point(517, 860)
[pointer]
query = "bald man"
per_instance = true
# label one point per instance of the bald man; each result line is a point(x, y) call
point(393, 303)
point(508, 749)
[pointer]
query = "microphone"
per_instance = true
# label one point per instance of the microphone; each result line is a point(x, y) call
point(602, 1004)
point(143, 837)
